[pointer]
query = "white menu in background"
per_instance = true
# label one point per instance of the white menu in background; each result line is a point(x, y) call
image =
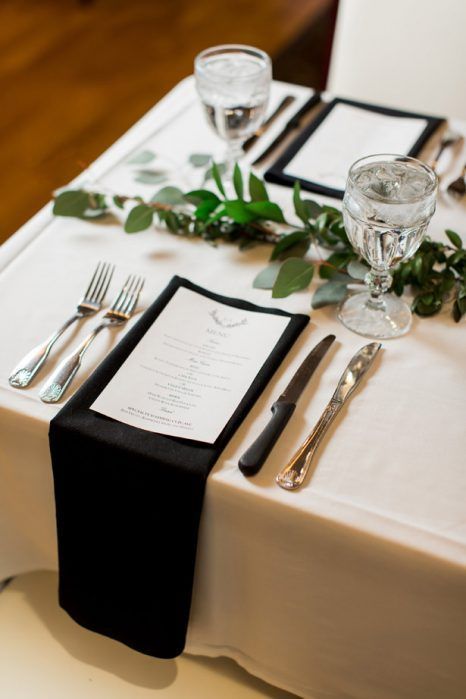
point(349, 133)
point(187, 375)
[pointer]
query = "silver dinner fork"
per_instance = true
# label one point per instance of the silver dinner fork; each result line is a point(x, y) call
point(121, 310)
point(91, 302)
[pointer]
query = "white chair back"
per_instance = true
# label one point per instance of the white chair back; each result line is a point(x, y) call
point(409, 54)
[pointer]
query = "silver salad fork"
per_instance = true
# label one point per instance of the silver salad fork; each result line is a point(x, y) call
point(91, 302)
point(121, 310)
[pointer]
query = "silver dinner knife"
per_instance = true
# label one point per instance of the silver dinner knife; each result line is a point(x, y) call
point(294, 473)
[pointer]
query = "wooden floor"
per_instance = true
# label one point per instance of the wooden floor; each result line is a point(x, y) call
point(75, 75)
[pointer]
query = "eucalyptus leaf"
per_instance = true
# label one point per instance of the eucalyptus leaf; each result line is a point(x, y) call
point(199, 159)
point(209, 174)
point(205, 209)
point(141, 158)
point(462, 304)
point(218, 213)
point(267, 277)
point(329, 293)
point(169, 195)
point(336, 261)
point(171, 220)
point(257, 190)
point(321, 221)
point(218, 178)
point(298, 250)
point(299, 206)
point(331, 210)
point(426, 305)
point(71, 203)
point(238, 181)
point(357, 269)
point(454, 238)
point(287, 242)
point(139, 218)
point(266, 210)
point(456, 312)
point(312, 208)
point(294, 274)
point(196, 196)
point(238, 210)
point(151, 176)
point(417, 268)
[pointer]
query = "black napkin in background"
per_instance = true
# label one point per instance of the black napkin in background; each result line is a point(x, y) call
point(276, 172)
point(128, 503)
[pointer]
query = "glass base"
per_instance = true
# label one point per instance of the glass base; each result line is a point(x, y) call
point(393, 320)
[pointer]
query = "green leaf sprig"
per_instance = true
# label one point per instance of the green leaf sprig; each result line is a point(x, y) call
point(436, 273)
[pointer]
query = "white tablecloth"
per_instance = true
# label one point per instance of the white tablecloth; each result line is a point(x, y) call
point(353, 586)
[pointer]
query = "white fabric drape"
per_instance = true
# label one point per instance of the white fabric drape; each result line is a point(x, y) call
point(353, 586)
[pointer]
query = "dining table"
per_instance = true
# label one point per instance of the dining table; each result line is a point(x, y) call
point(353, 586)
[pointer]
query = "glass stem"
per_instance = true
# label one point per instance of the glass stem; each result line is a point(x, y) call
point(234, 154)
point(378, 282)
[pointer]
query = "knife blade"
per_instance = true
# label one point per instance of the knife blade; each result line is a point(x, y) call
point(283, 408)
point(284, 104)
point(291, 125)
point(294, 473)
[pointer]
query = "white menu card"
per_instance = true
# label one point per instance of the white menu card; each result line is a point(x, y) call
point(346, 134)
point(189, 372)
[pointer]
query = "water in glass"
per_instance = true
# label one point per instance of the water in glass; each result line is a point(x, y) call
point(386, 211)
point(389, 201)
point(233, 82)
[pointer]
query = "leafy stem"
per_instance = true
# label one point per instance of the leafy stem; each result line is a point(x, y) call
point(436, 273)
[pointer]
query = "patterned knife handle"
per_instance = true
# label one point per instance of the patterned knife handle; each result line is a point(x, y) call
point(294, 473)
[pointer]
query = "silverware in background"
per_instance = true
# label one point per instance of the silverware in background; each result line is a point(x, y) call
point(449, 138)
point(458, 186)
point(284, 104)
point(293, 124)
point(253, 458)
point(121, 310)
point(91, 302)
point(294, 473)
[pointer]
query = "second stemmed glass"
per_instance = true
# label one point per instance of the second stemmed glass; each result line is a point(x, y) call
point(389, 201)
point(233, 82)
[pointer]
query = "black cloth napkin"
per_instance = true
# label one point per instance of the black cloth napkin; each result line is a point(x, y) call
point(128, 503)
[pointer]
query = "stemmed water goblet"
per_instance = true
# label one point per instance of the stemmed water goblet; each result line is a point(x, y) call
point(388, 203)
point(233, 83)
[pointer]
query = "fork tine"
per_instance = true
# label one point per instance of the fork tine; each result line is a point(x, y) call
point(100, 283)
point(130, 295)
point(135, 297)
point(137, 294)
point(97, 281)
point(106, 282)
point(121, 295)
point(88, 290)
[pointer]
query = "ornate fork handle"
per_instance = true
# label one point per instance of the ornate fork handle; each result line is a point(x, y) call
point(294, 473)
point(27, 368)
point(61, 378)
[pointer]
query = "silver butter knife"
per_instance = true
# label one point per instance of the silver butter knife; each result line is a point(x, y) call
point(294, 473)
